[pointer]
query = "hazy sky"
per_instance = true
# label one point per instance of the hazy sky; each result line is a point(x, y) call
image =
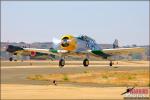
point(40, 21)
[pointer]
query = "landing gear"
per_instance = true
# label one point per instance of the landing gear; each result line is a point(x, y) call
point(86, 62)
point(13, 57)
point(10, 59)
point(61, 63)
point(111, 63)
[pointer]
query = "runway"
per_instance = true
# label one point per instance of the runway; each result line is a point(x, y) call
point(13, 78)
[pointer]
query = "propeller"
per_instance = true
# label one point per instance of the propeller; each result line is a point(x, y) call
point(66, 43)
point(56, 41)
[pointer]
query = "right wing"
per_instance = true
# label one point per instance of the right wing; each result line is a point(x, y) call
point(29, 51)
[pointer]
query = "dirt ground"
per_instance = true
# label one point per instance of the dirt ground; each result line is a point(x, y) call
point(16, 85)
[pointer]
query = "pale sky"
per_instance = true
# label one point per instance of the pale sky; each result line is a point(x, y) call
point(40, 21)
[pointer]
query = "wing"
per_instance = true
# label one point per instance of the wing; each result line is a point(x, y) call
point(29, 51)
point(92, 53)
point(124, 51)
point(105, 53)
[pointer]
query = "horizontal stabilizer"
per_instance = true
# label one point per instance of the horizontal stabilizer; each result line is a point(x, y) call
point(12, 49)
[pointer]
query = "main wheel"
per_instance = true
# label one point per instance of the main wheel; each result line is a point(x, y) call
point(86, 62)
point(61, 63)
point(10, 59)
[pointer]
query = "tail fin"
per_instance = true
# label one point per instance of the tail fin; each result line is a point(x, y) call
point(115, 44)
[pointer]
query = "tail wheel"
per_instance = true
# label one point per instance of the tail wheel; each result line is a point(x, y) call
point(111, 63)
point(86, 62)
point(61, 63)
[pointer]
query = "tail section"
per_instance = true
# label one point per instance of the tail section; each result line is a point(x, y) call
point(116, 44)
point(12, 49)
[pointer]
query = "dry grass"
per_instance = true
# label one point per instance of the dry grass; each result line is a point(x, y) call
point(115, 78)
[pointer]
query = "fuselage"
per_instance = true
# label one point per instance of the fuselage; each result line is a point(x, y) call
point(81, 43)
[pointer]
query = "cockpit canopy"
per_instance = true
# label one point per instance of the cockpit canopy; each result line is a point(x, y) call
point(90, 42)
point(86, 38)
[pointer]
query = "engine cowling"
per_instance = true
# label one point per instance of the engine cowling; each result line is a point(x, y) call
point(68, 42)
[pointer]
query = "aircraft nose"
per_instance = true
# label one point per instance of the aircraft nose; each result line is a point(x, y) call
point(65, 42)
point(68, 42)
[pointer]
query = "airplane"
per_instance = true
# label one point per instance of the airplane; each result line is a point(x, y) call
point(82, 46)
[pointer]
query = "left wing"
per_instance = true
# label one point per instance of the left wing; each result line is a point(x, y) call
point(107, 52)
point(123, 51)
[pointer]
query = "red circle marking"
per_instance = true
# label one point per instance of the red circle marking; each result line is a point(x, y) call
point(33, 53)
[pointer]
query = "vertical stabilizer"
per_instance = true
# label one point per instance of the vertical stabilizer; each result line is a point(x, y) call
point(115, 44)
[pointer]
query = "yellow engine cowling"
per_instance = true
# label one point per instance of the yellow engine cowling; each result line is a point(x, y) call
point(68, 42)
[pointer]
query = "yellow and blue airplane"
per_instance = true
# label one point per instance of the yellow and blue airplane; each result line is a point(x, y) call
point(82, 46)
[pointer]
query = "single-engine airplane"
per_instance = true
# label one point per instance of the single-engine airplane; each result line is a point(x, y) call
point(81, 46)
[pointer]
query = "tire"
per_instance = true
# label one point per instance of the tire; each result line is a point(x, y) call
point(10, 59)
point(85, 62)
point(110, 64)
point(61, 63)
point(15, 53)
